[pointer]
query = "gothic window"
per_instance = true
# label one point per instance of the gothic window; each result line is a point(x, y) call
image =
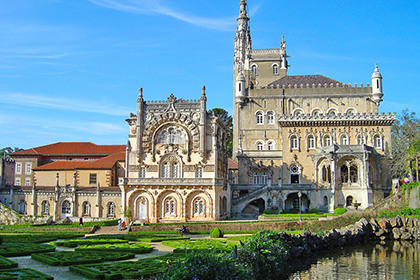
point(199, 207)
point(260, 177)
point(294, 142)
point(66, 208)
point(170, 206)
point(45, 207)
point(327, 140)
point(92, 178)
point(270, 145)
point(86, 208)
point(199, 172)
point(171, 135)
point(254, 69)
point(353, 174)
point(325, 201)
point(259, 117)
point(111, 209)
point(311, 142)
point(260, 146)
point(270, 117)
point(142, 172)
point(175, 170)
point(377, 141)
point(326, 173)
point(275, 69)
point(361, 140)
point(165, 170)
point(344, 172)
point(344, 140)
point(294, 174)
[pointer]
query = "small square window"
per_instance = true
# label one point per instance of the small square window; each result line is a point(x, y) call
point(92, 178)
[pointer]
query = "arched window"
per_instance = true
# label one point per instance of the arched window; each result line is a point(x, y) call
point(327, 140)
point(259, 117)
point(22, 207)
point(332, 112)
point(349, 201)
point(111, 209)
point(275, 69)
point(175, 170)
point(344, 173)
point(260, 146)
point(298, 112)
point(326, 174)
point(254, 69)
point(170, 206)
point(350, 111)
point(171, 135)
point(377, 141)
point(294, 174)
point(199, 207)
point(45, 207)
point(86, 208)
point(311, 142)
point(66, 208)
point(361, 140)
point(344, 140)
point(270, 117)
point(353, 174)
point(199, 172)
point(165, 170)
point(270, 145)
point(294, 142)
point(325, 201)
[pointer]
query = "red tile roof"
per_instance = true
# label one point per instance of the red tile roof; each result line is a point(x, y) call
point(102, 163)
point(232, 164)
point(72, 148)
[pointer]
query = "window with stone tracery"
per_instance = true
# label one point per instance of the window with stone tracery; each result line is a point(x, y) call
point(171, 135)
point(377, 141)
point(45, 207)
point(311, 142)
point(170, 206)
point(199, 206)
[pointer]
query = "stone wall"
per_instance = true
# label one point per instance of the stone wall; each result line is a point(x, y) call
point(11, 217)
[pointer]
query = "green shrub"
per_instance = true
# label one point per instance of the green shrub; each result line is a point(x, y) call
point(266, 212)
point(216, 233)
point(207, 265)
point(5, 263)
point(136, 248)
point(23, 273)
point(314, 210)
point(1, 239)
point(339, 211)
point(23, 249)
point(81, 257)
point(78, 242)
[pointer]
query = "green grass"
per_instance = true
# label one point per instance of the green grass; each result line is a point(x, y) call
point(136, 248)
point(23, 249)
point(23, 274)
point(64, 225)
point(82, 257)
point(127, 270)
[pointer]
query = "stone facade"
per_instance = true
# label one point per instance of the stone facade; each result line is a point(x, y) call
point(306, 134)
point(176, 162)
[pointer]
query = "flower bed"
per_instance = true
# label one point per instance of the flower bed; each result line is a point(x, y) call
point(23, 273)
point(78, 242)
point(81, 257)
point(136, 248)
point(127, 270)
point(37, 238)
point(200, 244)
point(6, 263)
point(23, 249)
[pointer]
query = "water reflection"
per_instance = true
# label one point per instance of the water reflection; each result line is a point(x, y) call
point(390, 260)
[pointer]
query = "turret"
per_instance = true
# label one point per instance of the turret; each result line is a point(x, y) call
point(203, 121)
point(140, 120)
point(240, 91)
point(377, 85)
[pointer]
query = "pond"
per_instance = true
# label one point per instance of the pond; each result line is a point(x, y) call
point(386, 260)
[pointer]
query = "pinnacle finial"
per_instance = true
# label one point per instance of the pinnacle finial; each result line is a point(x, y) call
point(203, 90)
point(141, 92)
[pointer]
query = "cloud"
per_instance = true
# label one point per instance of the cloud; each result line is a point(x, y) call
point(156, 7)
point(31, 100)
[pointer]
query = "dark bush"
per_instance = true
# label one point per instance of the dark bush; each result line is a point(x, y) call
point(314, 210)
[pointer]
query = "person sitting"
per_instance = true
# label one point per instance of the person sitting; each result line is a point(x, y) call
point(123, 227)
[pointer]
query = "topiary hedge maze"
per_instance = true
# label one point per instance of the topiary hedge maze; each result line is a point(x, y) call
point(200, 244)
point(138, 237)
point(136, 248)
point(23, 249)
point(6, 263)
point(79, 242)
point(37, 238)
point(23, 273)
point(127, 270)
point(81, 257)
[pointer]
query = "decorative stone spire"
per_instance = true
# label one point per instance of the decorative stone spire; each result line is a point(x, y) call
point(283, 54)
point(377, 92)
point(242, 39)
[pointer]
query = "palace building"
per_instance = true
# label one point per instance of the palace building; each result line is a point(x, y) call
point(303, 141)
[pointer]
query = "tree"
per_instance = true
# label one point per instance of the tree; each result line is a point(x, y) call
point(227, 119)
point(404, 133)
point(5, 152)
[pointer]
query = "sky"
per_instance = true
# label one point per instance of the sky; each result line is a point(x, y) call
point(71, 70)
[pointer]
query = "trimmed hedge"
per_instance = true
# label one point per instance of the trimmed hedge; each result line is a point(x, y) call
point(216, 233)
point(81, 257)
point(1, 239)
point(23, 273)
point(138, 237)
point(127, 270)
point(339, 211)
point(200, 244)
point(5, 263)
point(37, 238)
point(136, 248)
point(78, 242)
point(24, 249)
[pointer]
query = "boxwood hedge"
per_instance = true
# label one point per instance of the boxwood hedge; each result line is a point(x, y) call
point(81, 257)
point(139, 237)
point(38, 238)
point(200, 244)
point(127, 270)
point(6, 263)
point(23, 273)
point(136, 248)
point(78, 242)
point(24, 249)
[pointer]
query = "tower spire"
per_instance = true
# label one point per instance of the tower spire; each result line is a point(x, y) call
point(242, 40)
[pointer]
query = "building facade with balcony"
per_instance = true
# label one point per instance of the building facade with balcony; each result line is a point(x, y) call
point(306, 134)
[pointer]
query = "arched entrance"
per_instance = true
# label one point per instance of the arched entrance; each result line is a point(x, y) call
point(349, 201)
point(65, 209)
point(142, 209)
point(255, 207)
point(293, 203)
